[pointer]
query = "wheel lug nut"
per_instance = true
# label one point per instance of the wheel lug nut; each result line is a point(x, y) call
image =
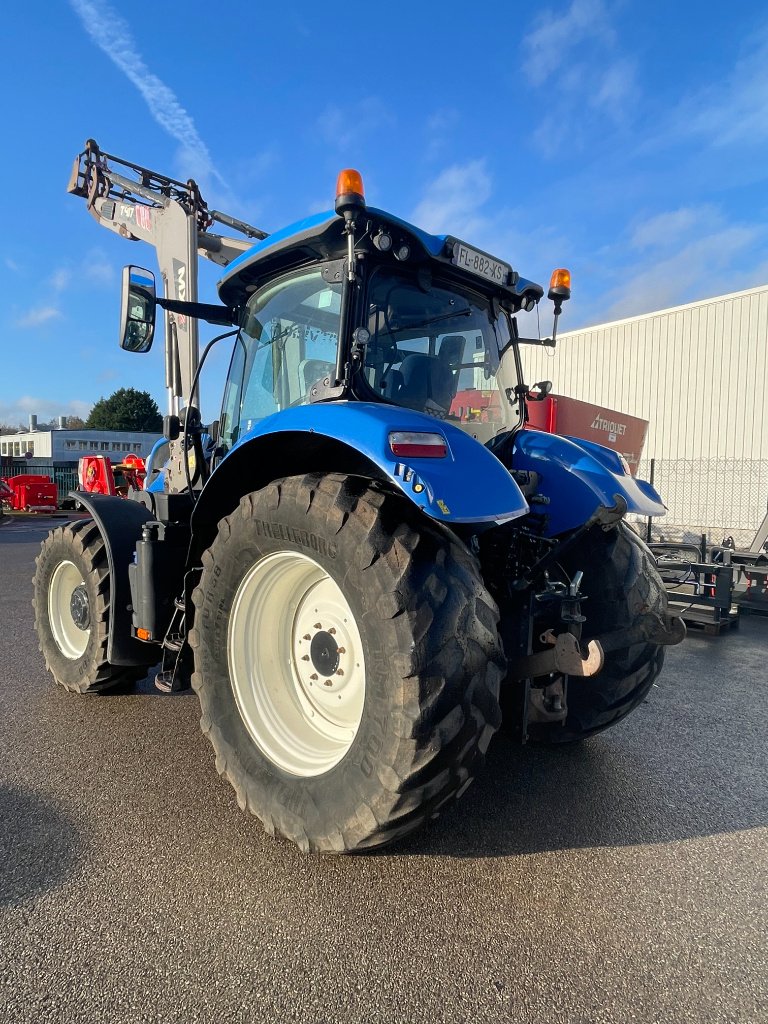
point(339, 671)
point(313, 676)
point(328, 682)
point(306, 637)
point(305, 658)
point(342, 650)
point(318, 625)
point(332, 631)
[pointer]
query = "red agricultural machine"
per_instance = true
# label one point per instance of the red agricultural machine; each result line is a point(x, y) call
point(97, 474)
point(556, 414)
point(29, 492)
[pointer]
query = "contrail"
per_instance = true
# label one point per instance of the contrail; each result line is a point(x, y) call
point(112, 34)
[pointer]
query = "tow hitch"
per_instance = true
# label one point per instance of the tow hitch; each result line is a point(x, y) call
point(567, 655)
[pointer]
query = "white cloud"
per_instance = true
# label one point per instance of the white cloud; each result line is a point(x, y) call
point(253, 168)
point(46, 409)
point(246, 174)
point(458, 202)
point(113, 35)
point(60, 279)
point(319, 205)
point(615, 87)
point(735, 110)
point(38, 316)
point(550, 44)
point(453, 201)
point(439, 131)
point(668, 228)
point(578, 54)
point(682, 272)
point(93, 268)
point(96, 268)
point(349, 126)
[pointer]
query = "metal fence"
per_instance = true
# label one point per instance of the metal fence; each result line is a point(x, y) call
point(65, 477)
point(717, 497)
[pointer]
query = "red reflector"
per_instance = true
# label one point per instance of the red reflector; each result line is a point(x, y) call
point(418, 446)
point(418, 451)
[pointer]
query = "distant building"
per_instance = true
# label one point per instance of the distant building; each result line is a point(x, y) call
point(56, 452)
point(63, 445)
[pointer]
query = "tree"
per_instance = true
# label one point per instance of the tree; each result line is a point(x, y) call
point(126, 409)
point(75, 423)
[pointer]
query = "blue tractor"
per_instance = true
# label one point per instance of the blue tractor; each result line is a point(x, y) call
point(369, 561)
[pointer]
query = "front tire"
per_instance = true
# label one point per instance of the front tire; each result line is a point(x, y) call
point(347, 661)
point(72, 608)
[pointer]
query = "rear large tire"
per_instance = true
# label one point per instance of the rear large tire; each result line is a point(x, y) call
point(347, 662)
point(72, 609)
point(620, 583)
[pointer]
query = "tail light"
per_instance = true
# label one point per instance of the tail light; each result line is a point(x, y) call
point(418, 446)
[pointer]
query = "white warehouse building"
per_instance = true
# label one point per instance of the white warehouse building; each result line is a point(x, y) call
point(699, 374)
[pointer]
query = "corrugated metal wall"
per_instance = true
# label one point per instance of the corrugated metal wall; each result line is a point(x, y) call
point(699, 375)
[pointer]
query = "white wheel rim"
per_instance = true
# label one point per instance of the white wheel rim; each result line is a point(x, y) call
point(70, 638)
point(296, 663)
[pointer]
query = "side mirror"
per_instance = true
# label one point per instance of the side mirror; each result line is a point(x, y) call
point(138, 304)
point(543, 388)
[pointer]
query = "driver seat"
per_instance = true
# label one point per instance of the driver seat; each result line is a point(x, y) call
point(427, 385)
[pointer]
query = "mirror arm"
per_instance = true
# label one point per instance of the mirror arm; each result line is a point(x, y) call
point(225, 316)
point(558, 310)
point(546, 342)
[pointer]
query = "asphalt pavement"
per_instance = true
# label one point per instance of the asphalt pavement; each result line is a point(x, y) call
point(621, 880)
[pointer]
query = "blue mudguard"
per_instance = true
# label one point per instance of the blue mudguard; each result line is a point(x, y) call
point(468, 485)
point(577, 476)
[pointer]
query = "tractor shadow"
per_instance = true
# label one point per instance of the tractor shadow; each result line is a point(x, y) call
point(37, 845)
point(530, 801)
point(690, 762)
point(144, 687)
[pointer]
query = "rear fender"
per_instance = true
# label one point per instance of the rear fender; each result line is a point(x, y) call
point(120, 521)
point(576, 476)
point(468, 485)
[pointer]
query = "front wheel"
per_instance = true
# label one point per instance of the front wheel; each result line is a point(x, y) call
point(72, 602)
point(347, 661)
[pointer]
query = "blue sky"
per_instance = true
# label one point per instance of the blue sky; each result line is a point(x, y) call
point(626, 141)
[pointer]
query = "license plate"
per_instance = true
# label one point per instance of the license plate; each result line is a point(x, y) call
point(478, 263)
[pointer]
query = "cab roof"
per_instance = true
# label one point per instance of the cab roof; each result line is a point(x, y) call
point(321, 237)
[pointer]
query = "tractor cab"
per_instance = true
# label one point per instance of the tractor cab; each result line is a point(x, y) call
point(358, 305)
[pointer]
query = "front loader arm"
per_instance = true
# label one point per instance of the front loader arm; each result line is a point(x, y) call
point(142, 205)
